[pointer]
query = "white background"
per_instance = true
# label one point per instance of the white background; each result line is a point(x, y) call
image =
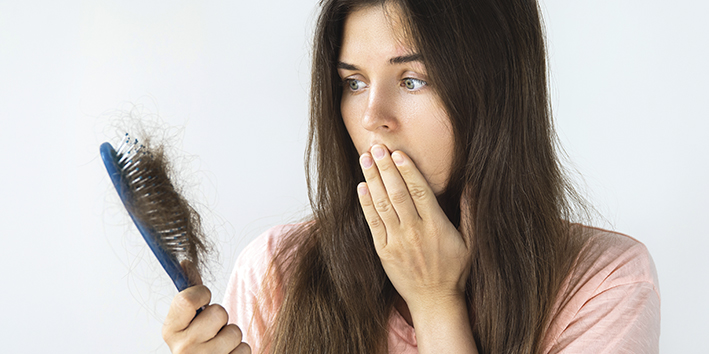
point(630, 87)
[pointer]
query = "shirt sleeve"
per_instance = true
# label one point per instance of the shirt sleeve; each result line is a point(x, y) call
point(622, 319)
point(614, 306)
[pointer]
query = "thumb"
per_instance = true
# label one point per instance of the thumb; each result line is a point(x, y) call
point(192, 272)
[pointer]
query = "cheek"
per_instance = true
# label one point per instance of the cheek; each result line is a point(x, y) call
point(349, 117)
point(439, 161)
point(436, 147)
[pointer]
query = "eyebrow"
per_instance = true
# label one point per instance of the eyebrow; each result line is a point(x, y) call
point(406, 58)
point(395, 60)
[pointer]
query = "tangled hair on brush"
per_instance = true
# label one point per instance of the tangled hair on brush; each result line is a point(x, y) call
point(166, 201)
point(163, 206)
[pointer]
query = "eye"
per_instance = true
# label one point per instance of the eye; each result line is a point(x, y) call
point(354, 84)
point(413, 84)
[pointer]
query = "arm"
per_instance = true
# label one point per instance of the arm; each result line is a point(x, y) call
point(423, 254)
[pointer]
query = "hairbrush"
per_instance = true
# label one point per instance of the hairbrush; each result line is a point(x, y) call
point(169, 225)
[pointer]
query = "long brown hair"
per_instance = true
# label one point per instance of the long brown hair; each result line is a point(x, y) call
point(486, 59)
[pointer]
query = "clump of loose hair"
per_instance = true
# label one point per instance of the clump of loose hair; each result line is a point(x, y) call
point(171, 201)
point(158, 202)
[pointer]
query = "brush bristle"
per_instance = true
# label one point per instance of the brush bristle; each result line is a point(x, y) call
point(156, 202)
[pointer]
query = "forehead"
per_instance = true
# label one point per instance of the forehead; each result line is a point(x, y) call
point(374, 31)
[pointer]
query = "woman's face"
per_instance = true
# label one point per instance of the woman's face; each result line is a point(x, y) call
point(386, 99)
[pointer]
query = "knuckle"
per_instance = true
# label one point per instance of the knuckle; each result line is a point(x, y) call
point(243, 348)
point(205, 294)
point(399, 197)
point(194, 297)
point(218, 313)
point(179, 348)
point(415, 240)
point(382, 206)
point(386, 255)
point(375, 222)
point(236, 333)
point(418, 192)
point(412, 235)
point(182, 301)
point(166, 333)
point(169, 332)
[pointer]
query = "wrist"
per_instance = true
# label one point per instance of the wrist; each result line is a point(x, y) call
point(439, 306)
point(443, 326)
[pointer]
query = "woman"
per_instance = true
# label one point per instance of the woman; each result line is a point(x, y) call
point(458, 240)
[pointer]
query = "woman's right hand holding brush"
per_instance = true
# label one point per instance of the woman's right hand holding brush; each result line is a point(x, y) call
point(208, 332)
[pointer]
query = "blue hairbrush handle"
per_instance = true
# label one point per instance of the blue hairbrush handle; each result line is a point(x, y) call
point(168, 262)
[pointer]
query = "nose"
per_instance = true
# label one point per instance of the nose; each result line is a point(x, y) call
point(380, 113)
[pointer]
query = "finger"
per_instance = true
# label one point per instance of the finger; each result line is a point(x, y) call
point(397, 190)
point(243, 348)
point(192, 272)
point(378, 192)
point(421, 193)
point(226, 341)
point(376, 225)
point(183, 308)
point(208, 323)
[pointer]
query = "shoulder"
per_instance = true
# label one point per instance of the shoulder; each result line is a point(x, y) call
point(242, 298)
point(612, 259)
point(259, 252)
point(610, 300)
point(252, 264)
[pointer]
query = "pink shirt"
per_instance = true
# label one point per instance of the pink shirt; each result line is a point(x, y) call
point(609, 303)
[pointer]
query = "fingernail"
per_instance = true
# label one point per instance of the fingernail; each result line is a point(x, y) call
point(377, 152)
point(366, 161)
point(362, 189)
point(398, 158)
